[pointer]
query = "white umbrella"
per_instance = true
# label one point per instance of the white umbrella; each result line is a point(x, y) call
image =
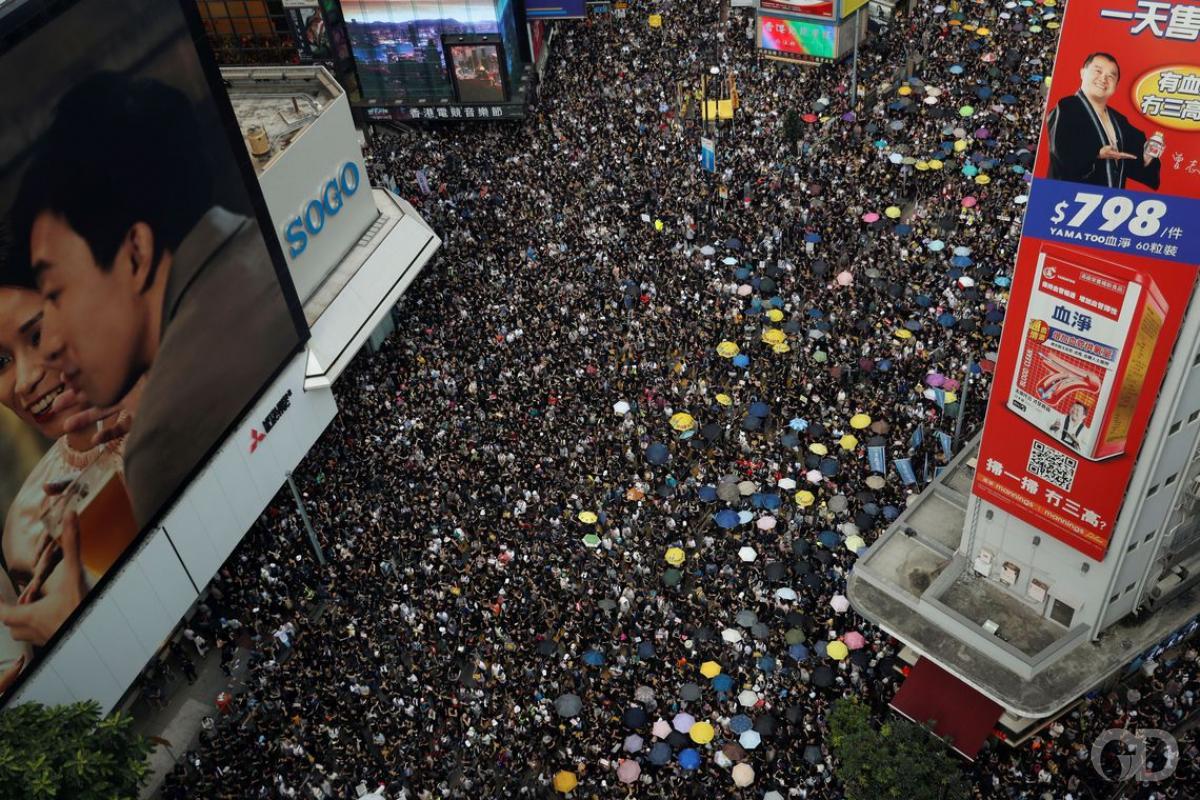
point(747, 554)
point(743, 775)
point(747, 698)
point(729, 261)
point(785, 593)
point(620, 408)
point(840, 604)
point(787, 484)
point(747, 488)
point(814, 476)
point(708, 250)
point(772, 795)
point(766, 523)
point(721, 759)
point(731, 635)
point(750, 739)
point(845, 278)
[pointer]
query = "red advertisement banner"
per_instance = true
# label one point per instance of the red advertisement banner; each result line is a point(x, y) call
point(812, 8)
point(1104, 273)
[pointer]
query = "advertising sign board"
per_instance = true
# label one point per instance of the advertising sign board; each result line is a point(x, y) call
point(555, 9)
point(1104, 272)
point(812, 8)
point(797, 39)
point(144, 299)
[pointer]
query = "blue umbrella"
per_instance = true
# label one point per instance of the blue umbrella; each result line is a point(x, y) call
point(954, 273)
point(726, 519)
point(937, 245)
point(947, 320)
point(961, 261)
point(956, 69)
point(1002, 281)
point(658, 454)
point(995, 315)
point(741, 273)
point(798, 424)
point(744, 517)
point(970, 170)
point(983, 92)
point(903, 230)
point(829, 539)
point(740, 724)
point(816, 313)
point(975, 368)
point(741, 360)
point(991, 330)
point(771, 501)
point(722, 683)
point(912, 325)
point(759, 409)
point(766, 664)
point(593, 658)
point(689, 758)
point(660, 753)
point(812, 238)
point(734, 244)
point(890, 513)
point(829, 467)
point(775, 302)
point(881, 143)
point(924, 300)
point(883, 365)
point(645, 650)
point(707, 494)
point(798, 652)
point(790, 439)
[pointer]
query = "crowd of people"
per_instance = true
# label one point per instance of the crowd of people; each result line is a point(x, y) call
point(530, 584)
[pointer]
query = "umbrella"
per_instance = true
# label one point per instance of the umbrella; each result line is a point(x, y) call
point(855, 543)
point(689, 692)
point(727, 349)
point(892, 212)
point(747, 554)
point(837, 650)
point(731, 635)
point(591, 540)
point(794, 636)
point(854, 640)
point(839, 603)
point(848, 442)
point(660, 754)
point(727, 518)
point(682, 421)
point(785, 593)
point(722, 683)
point(634, 717)
point(702, 733)
point(588, 517)
point(547, 647)
point(870, 216)
point(804, 499)
point(675, 556)
point(743, 775)
point(844, 278)
point(708, 250)
point(620, 408)
point(565, 781)
point(818, 448)
point(812, 754)
point(740, 724)
point(734, 244)
point(677, 740)
point(750, 739)
point(658, 454)
point(859, 421)
point(747, 698)
point(710, 669)
point(633, 743)
point(766, 523)
point(689, 758)
point(661, 729)
point(745, 618)
point(644, 694)
point(628, 771)
point(741, 360)
point(683, 722)
point(672, 577)
point(568, 705)
point(798, 651)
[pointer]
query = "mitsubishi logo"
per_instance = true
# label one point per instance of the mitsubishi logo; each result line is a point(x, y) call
point(278, 411)
point(256, 439)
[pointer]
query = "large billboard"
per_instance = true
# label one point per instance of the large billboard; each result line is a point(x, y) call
point(797, 39)
point(398, 43)
point(812, 8)
point(144, 301)
point(1106, 268)
point(478, 72)
point(555, 9)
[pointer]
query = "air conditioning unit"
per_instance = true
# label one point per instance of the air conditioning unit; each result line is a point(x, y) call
point(983, 563)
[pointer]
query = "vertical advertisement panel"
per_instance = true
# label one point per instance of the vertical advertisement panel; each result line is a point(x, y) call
point(1106, 269)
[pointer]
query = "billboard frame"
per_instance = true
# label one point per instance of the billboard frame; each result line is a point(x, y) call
point(476, 40)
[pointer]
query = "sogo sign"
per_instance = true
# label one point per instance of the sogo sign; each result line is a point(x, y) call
point(311, 221)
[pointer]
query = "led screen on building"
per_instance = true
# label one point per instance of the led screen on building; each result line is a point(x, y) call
point(797, 39)
point(144, 304)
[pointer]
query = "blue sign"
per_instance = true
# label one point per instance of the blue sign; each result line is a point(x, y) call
point(1121, 220)
point(328, 203)
point(708, 154)
point(877, 458)
point(555, 9)
point(904, 469)
point(945, 441)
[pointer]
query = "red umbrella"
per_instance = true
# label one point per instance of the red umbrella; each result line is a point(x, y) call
point(810, 118)
point(969, 201)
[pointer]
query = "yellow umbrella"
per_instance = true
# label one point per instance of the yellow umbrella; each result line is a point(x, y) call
point(960, 145)
point(970, 26)
point(658, 225)
point(837, 650)
point(922, 166)
point(904, 91)
point(774, 336)
point(775, 315)
point(675, 556)
point(781, 348)
point(588, 517)
point(903, 333)
point(982, 180)
point(724, 399)
point(565, 781)
point(804, 499)
point(818, 448)
point(702, 732)
point(682, 421)
point(982, 31)
point(710, 669)
point(951, 397)
point(727, 349)
point(855, 543)
point(859, 421)
point(935, 164)
point(892, 212)
point(848, 442)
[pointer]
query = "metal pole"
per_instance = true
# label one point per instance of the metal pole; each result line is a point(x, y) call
point(854, 68)
point(962, 412)
point(312, 535)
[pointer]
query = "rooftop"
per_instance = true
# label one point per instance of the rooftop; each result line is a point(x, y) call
point(281, 100)
point(915, 585)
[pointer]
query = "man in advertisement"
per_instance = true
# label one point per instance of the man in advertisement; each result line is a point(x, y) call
point(1093, 143)
point(143, 277)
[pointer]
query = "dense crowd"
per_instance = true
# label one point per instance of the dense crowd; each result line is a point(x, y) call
point(528, 564)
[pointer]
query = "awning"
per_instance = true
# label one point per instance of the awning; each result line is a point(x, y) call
point(957, 711)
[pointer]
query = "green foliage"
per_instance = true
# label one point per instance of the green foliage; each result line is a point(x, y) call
point(69, 753)
point(899, 760)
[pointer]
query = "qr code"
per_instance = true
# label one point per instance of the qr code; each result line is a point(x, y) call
point(1051, 465)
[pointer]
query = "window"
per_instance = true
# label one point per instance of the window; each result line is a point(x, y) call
point(1171, 479)
point(1114, 598)
point(1062, 613)
point(1153, 490)
point(1129, 588)
point(1149, 536)
point(1196, 360)
point(1195, 415)
point(249, 31)
point(1132, 546)
point(1175, 428)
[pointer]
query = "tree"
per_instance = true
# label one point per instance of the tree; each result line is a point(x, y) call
point(70, 753)
point(897, 760)
point(793, 128)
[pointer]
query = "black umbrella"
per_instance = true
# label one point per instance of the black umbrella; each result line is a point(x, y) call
point(792, 326)
point(703, 635)
point(678, 740)
point(822, 676)
point(813, 581)
point(795, 619)
point(634, 717)
point(760, 630)
point(568, 705)
point(547, 647)
point(800, 547)
point(812, 754)
point(752, 424)
point(665, 490)
point(802, 568)
point(820, 267)
point(864, 521)
point(794, 714)
point(645, 650)
point(817, 431)
point(711, 431)
point(776, 571)
point(823, 555)
point(766, 725)
point(790, 439)
point(812, 461)
point(860, 658)
point(829, 467)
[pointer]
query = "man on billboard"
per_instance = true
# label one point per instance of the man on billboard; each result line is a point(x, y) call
point(1093, 143)
point(144, 279)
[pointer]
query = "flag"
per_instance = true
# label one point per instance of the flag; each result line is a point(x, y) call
point(904, 469)
point(918, 436)
point(946, 442)
point(423, 182)
point(877, 458)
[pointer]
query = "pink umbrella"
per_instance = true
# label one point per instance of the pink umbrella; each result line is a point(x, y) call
point(661, 729)
point(969, 201)
point(845, 278)
point(870, 216)
point(744, 290)
point(840, 604)
point(629, 771)
point(854, 640)
point(766, 523)
point(950, 385)
point(935, 379)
